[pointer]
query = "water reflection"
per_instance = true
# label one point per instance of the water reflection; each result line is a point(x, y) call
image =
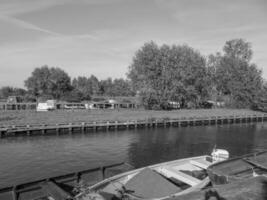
point(30, 158)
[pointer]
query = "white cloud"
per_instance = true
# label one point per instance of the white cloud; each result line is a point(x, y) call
point(26, 25)
point(14, 7)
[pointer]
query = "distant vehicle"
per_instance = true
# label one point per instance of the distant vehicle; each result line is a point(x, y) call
point(42, 107)
point(172, 105)
point(46, 106)
point(207, 104)
point(74, 106)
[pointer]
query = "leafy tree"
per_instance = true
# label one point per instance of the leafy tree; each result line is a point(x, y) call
point(235, 76)
point(60, 82)
point(168, 73)
point(121, 87)
point(108, 87)
point(105, 87)
point(73, 96)
point(38, 82)
point(7, 91)
point(94, 85)
point(48, 81)
point(238, 49)
point(82, 85)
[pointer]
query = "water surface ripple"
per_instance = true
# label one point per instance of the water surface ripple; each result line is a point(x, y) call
point(25, 159)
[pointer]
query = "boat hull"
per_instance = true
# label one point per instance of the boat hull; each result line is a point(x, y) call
point(177, 171)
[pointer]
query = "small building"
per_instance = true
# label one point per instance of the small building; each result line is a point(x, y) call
point(14, 99)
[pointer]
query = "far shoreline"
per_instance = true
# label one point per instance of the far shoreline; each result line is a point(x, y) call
point(27, 117)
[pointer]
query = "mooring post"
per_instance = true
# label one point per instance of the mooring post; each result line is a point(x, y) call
point(116, 125)
point(57, 129)
point(28, 129)
point(43, 129)
point(1, 133)
point(107, 126)
point(78, 177)
point(164, 123)
point(94, 126)
point(102, 171)
point(83, 127)
point(135, 124)
point(14, 193)
point(70, 127)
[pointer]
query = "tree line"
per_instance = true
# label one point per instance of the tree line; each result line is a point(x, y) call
point(180, 73)
point(160, 74)
point(54, 83)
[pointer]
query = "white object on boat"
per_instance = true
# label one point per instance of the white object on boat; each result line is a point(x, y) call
point(219, 155)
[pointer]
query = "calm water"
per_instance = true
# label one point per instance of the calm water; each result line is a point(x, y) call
point(30, 158)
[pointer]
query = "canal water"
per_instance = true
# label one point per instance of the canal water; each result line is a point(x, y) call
point(24, 159)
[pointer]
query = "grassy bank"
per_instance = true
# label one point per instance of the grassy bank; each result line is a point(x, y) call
point(68, 116)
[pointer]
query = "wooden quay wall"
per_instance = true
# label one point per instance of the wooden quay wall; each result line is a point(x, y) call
point(46, 129)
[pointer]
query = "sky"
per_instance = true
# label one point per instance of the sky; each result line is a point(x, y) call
point(100, 37)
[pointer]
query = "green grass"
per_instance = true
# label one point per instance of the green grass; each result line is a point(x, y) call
point(68, 116)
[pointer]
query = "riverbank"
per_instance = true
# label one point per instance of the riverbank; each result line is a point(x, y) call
point(69, 116)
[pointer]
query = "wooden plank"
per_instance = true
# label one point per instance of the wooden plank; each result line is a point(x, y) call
point(170, 172)
point(201, 163)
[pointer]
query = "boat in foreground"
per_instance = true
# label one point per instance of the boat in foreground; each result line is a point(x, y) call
point(160, 181)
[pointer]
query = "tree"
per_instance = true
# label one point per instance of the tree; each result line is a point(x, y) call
point(235, 76)
point(60, 82)
point(7, 91)
point(121, 87)
point(94, 85)
point(105, 87)
point(238, 49)
point(73, 96)
point(48, 81)
point(82, 85)
point(168, 73)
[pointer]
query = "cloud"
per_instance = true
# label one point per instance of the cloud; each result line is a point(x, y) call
point(26, 25)
point(14, 7)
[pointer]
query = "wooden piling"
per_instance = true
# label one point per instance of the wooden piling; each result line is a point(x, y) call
point(135, 124)
point(28, 131)
point(70, 128)
point(43, 129)
point(57, 129)
point(83, 127)
point(14, 193)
